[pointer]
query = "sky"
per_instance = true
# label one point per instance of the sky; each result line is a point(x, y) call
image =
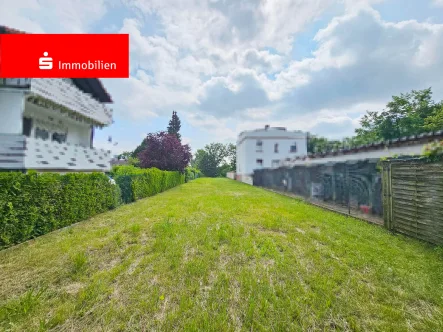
point(227, 66)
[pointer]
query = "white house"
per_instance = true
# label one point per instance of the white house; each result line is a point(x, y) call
point(264, 148)
point(48, 124)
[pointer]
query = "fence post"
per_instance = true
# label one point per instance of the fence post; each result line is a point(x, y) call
point(348, 186)
point(386, 188)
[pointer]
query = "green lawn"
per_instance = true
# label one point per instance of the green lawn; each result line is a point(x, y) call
point(216, 255)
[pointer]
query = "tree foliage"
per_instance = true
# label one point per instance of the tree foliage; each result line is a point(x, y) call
point(405, 115)
point(408, 114)
point(165, 152)
point(215, 159)
point(174, 125)
point(138, 149)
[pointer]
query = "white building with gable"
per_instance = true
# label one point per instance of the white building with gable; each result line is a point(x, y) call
point(48, 124)
point(265, 148)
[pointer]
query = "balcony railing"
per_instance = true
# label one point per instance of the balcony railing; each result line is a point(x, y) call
point(68, 95)
point(65, 94)
point(20, 152)
point(15, 82)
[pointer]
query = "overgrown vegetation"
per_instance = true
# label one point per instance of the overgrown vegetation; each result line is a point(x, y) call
point(218, 255)
point(34, 204)
point(434, 151)
point(405, 115)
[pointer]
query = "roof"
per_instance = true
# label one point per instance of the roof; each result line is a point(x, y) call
point(92, 86)
point(423, 138)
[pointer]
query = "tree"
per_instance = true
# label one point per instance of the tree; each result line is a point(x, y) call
point(124, 155)
point(231, 151)
point(206, 163)
point(435, 121)
point(174, 125)
point(139, 149)
point(217, 151)
point(165, 151)
point(215, 159)
point(408, 114)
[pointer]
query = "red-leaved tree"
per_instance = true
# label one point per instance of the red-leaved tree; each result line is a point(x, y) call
point(165, 152)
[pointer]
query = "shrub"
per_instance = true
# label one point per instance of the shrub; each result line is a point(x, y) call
point(136, 183)
point(434, 151)
point(34, 204)
point(192, 173)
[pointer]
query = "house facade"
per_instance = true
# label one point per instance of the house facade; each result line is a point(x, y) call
point(49, 124)
point(265, 148)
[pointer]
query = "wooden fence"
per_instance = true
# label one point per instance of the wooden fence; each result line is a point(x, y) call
point(413, 199)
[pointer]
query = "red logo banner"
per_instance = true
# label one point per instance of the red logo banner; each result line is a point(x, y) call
point(64, 55)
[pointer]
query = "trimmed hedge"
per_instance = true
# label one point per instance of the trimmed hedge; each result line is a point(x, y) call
point(136, 183)
point(34, 204)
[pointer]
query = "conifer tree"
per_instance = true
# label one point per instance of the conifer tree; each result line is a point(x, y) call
point(174, 125)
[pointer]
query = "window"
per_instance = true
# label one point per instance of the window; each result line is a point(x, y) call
point(27, 126)
point(259, 146)
point(41, 133)
point(259, 162)
point(294, 148)
point(275, 163)
point(276, 147)
point(58, 137)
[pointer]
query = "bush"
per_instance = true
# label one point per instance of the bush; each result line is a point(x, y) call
point(136, 183)
point(192, 173)
point(34, 204)
point(434, 151)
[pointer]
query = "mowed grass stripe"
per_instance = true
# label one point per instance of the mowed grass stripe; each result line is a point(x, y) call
point(218, 255)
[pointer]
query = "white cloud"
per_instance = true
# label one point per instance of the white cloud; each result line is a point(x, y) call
point(39, 16)
point(227, 65)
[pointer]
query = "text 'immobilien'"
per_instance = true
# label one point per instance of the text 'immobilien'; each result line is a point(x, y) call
point(90, 65)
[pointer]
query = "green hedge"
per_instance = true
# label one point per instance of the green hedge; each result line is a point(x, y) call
point(34, 204)
point(192, 173)
point(136, 183)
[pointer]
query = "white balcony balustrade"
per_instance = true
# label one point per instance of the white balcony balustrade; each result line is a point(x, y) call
point(59, 92)
point(15, 82)
point(19, 152)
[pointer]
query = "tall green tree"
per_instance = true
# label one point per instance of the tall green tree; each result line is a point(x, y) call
point(231, 151)
point(435, 121)
point(140, 148)
point(174, 125)
point(408, 114)
point(215, 159)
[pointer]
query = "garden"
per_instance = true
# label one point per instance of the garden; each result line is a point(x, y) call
point(219, 255)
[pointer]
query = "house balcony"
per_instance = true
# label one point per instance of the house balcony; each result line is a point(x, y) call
point(18, 152)
point(63, 96)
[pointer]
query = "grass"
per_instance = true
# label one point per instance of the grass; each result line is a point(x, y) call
point(217, 255)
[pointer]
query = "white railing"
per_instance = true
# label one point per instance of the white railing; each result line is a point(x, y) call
point(20, 152)
point(15, 82)
point(68, 95)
